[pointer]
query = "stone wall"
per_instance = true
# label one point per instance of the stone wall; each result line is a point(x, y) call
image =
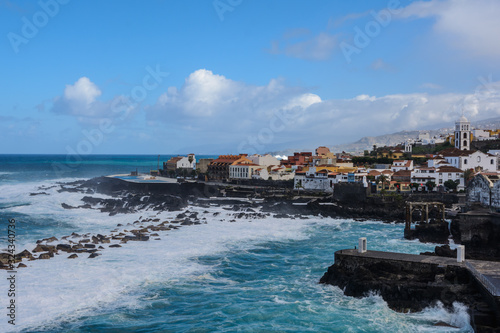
point(350, 192)
point(410, 286)
point(478, 190)
point(479, 231)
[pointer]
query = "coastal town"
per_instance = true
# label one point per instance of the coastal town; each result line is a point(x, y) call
point(444, 190)
point(447, 163)
point(250, 166)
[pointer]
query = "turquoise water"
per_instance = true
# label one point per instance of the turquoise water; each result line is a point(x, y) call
point(249, 276)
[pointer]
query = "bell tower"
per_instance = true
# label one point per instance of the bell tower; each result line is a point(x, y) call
point(462, 134)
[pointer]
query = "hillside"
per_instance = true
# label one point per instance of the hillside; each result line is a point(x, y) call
point(367, 142)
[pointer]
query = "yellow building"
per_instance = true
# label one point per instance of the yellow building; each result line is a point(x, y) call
point(392, 186)
point(391, 153)
point(333, 168)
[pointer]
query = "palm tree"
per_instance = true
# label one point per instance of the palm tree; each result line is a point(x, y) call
point(298, 186)
point(468, 175)
point(383, 179)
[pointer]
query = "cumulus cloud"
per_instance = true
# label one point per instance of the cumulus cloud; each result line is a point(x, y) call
point(213, 108)
point(471, 25)
point(302, 44)
point(206, 95)
point(210, 110)
point(83, 91)
point(81, 101)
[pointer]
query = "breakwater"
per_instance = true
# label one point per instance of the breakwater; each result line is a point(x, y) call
point(412, 282)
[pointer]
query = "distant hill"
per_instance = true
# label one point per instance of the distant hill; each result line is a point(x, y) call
point(367, 142)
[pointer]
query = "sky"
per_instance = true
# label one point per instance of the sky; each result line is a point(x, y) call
point(239, 76)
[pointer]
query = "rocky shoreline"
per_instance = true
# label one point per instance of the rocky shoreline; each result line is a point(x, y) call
point(125, 201)
point(403, 291)
point(412, 287)
point(127, 198)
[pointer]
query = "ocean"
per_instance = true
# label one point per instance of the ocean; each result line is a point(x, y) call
point(252, 275)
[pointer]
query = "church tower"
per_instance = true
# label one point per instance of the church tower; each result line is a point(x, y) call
point(462, 134)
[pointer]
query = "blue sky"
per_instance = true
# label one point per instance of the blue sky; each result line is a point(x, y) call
point(229, 76)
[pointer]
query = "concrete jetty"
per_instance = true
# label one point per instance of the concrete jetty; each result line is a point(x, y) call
point(486, 273)
point(406, 278)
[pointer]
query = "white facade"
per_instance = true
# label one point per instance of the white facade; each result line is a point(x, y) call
point(424, 136)
point(438, 176)
point(482, 135)
point(408, 146)
point(402, 165)
point(445, 173)
point(423, 175)
point(264, 160)
point(474, 160)
point(462, 134)
point(242, 171)
point(313, 181)
point(275, 173)
point(185, 163)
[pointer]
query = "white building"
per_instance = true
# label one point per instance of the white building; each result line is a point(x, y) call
point(462, 134)
point(482, 135)
point(180, 162)
point(438, 175)
point(313, 180)
point(467, 159)
point(399, 165)
point(423, 175)
point(264, 160)
point(273, 172)
point(445, 173)
point(408, 145)
point(242, 170)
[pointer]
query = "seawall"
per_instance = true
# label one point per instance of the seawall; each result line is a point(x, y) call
point(413, 282)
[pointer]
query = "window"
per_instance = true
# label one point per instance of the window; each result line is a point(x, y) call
point(465, 135)
point(465, 143)
point(478, 159)
point(465, 161)
point(491, 161)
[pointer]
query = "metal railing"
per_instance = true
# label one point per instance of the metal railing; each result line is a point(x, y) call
point(484, 280)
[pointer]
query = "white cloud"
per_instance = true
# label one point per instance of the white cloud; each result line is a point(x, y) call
point(234, 112)
point(211, 110)
point(340, 21)
point(300, 43)
point(380, 64)
point(83, 91)
point(471, 25)
point(205, 95)
point(81, 101)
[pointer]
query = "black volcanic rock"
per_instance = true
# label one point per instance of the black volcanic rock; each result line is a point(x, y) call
point(407, 287)
point(64, 247)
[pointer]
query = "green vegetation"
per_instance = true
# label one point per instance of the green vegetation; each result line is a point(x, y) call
point(451, 184)
point(430, 149)
point(430, 185)
point(362, 160)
